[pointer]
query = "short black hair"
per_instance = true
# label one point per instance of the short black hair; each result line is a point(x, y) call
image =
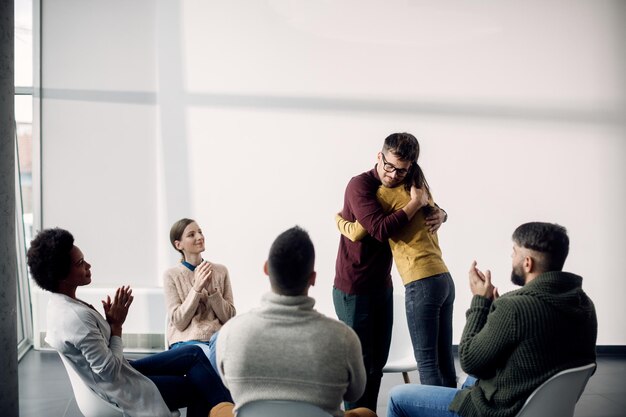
point(291, 261)
point(402, 145)
point(49, 259)
point(549, 239)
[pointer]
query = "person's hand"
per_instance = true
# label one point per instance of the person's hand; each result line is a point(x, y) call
point(420, 195)
point(202, 276)
point(480, 283)
point(435, 219)
point(116, 311)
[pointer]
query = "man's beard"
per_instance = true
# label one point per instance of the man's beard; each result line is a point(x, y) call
point(517, 276)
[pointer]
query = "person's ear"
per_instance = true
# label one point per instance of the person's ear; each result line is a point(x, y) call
point(178, 245)
point(529, 264)
point(312, 278)
point(266, 268)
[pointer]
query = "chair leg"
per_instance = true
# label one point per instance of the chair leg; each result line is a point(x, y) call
point(405, 375)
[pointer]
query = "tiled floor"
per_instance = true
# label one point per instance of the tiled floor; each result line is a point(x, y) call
point(45, 390)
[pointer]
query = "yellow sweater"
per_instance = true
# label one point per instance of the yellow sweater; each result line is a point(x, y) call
point(415, 250)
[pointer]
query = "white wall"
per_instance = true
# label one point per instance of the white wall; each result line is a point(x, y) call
point(252, 117)
point(99, 133)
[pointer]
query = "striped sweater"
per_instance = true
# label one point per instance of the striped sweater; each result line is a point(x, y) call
point(515, 343)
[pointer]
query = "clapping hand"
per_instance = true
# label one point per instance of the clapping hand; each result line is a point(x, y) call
point(202, 276)
point(480, 283)
point(419, 194)
point(116, 311)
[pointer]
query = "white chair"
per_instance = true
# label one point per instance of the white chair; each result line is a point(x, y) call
point(401, 357)
point(557, 396)
point(90, 403)
point(280, 408)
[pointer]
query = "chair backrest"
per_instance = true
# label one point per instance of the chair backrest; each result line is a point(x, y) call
point(280, 408)
point(401, 357)
point(557, 396)
point(89, 403)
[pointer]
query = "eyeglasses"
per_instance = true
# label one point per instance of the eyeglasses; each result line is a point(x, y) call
point(401, 172)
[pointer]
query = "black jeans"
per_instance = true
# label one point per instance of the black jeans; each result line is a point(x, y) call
point(371, 317)
point(429, 303)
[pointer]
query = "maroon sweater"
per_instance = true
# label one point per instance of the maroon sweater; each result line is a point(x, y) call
point(364, 267)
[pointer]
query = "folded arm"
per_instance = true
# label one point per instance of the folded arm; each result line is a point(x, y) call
point(352, 230)
point(488, 337)
point(180, 311)
point(363, 206)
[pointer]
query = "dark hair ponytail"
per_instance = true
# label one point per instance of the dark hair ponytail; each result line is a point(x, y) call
point(417, 178)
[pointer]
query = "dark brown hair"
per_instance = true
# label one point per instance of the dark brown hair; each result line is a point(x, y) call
point(177, 230)
point(549, 239)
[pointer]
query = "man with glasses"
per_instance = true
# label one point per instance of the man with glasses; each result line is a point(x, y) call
point(362, 292)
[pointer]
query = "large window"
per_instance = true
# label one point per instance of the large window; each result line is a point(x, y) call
point(26, 148)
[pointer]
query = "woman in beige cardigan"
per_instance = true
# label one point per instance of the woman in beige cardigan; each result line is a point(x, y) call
point(198, 294)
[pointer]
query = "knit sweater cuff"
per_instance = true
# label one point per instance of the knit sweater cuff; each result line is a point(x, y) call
point(459, 401)
point(479, 301)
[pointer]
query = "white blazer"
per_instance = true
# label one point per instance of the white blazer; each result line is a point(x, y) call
point(82, 335)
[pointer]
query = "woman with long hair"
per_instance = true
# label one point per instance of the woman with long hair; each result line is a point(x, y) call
point(429, 288)
point(198, 294)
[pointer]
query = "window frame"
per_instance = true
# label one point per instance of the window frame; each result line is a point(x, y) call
point(24, 306)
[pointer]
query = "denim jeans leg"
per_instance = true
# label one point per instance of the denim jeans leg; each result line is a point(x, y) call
point(382, 326)
point(412, 400)
point(207, 346)
point(429, 317)
point(371, 317)
point(212, 347)
point(444, 344)
point(177, 391)
point(188, 361)
point(470, 381)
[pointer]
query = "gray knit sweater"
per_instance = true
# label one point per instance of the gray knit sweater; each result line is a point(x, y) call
point(520, 340)
point(285, 350)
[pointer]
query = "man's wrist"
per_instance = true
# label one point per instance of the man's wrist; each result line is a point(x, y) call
point(445, 213)
point(480, 301)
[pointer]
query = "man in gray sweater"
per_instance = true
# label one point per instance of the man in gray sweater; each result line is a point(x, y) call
point(285, 350)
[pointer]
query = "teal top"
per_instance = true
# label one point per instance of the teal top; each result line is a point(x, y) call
point(189, 266)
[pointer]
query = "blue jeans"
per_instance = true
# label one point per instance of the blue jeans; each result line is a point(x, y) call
point(185, 378)
point(429, 304)
point(412, 400)
point(207, 347)
point(371, 317)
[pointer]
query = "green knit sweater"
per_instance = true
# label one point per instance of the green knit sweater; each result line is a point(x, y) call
point(517, 342)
